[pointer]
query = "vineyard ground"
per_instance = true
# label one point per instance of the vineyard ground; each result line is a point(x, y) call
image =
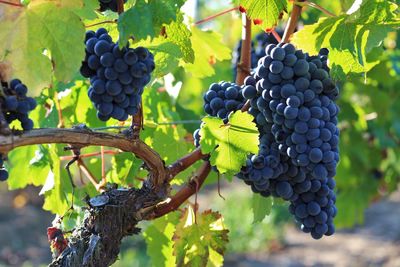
point(377, 243)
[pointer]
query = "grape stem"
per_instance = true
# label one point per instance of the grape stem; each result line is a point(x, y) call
point(120, 6)
point(216, 15)
point(102, 22)
point(219, 187)
point(243, 68)
point(316, 6)
point(292, 22)
point(137, 122)
point(246, 106)
point(276, 35)
point(11, 3)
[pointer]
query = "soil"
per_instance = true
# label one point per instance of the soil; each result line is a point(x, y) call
point(23, 226)
point(376, 243)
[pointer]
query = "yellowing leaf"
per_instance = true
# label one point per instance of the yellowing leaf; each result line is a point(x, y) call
point(158, 238)
point(42, 38)
point(200, 240)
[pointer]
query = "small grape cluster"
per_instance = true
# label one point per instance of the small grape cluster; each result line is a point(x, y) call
point(219, 100)
point(16, 105)
point(109, 5)
point(292, 99)
point(222, 98)
point(117, 76)
point(3, 171)
point(257, 49)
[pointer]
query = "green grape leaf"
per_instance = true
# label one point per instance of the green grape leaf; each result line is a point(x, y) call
point(200, 239)
point(37, 41)
point(266, 10)
point(354, 40)
point(158, 237)
point(261, 207)
point(58, 190)
point(21, 175)
point(77, 96)
point(124, 169)
point(208, 48)
point(44, 115)
point(146, 18)
point(178, 33)
point(166, 54)
point(351, 204)
point(88, 9)
point(229, 144)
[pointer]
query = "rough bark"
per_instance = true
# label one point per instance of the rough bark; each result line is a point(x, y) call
point(110, 217)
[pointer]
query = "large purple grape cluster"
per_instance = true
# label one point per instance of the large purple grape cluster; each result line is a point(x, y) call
point(117, 76)
point(292, 99)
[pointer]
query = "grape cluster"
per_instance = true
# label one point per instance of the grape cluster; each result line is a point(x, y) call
point(109, 5)
point(257, 49)
point(222, 98)
point(117, 76)
point(3, 171)
point(16, 105)
point(219, 100)
point(292, 99)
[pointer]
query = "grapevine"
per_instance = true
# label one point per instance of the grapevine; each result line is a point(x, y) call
point(272, 126)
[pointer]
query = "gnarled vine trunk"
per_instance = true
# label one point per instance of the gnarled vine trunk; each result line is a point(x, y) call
point(110, 217)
